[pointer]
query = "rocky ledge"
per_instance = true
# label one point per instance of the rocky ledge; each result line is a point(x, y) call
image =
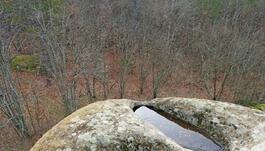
point(112, 125)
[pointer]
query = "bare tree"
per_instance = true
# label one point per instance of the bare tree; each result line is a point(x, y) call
point(123, 26)
point(10, 101)
point(58, 34)
point(93, 17)
point(165, 53)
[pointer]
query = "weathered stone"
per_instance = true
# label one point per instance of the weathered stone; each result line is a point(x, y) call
point(236, 127)
point(112, 125)
point(109, 125)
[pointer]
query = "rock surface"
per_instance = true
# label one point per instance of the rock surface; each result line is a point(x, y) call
point(105, 126)
point(112, 125)
point(236, 127)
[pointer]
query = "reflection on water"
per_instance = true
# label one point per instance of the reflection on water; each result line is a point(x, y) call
point(185, 137)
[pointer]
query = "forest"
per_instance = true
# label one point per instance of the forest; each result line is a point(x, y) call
point(60, 55)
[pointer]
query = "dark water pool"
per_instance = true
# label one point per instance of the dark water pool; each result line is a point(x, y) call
point(180, 132)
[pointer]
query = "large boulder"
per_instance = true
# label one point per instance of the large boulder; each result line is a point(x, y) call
point(105, 126)
point(112, 125)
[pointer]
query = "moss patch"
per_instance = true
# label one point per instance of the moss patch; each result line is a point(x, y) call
point(259, 106)
point(252, 104)
point(28, 63)
point(199, 116)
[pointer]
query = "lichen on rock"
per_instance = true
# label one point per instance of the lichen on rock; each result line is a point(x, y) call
point(234, 126)
point(112, 125)
point(108, 125)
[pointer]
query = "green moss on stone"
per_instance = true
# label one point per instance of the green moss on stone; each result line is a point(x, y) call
point(199, 116)
point(252, 104)
point(259, 106)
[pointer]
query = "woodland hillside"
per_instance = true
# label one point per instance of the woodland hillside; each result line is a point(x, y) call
point(59, 55)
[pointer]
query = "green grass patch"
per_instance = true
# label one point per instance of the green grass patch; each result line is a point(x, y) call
point(252, 104)
point(259, 106)
point(27, 63)
point(211, 7)
point(215, 8)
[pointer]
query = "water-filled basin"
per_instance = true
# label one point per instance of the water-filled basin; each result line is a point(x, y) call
point(180, 132)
